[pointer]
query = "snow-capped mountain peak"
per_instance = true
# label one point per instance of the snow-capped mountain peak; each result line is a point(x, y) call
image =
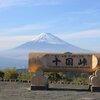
point(48, 38)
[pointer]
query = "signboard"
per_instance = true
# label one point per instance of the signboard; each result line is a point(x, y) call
point(69, 61)
point(62, 62)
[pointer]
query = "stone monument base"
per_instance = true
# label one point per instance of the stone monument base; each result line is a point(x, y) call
point(89, 89)
point(39, 81)
point(95, 89)
point(39, 87)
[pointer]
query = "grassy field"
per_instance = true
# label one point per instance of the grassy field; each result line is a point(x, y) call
point(20, 91)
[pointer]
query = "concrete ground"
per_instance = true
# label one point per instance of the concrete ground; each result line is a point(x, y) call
point(20, 91)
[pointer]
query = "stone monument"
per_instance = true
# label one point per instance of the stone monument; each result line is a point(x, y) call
point(95, 81)
point(39, 81)
point(61, 62)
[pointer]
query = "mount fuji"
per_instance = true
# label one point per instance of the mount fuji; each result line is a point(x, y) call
point(45, 42)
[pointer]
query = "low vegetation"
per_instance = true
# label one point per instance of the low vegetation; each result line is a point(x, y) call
point(81, 78)
point(54, 77)
point(12, 74)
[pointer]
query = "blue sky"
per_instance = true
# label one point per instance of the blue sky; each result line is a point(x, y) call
point(75, 21)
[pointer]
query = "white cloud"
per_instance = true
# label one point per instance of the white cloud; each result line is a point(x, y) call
point(81, 35)
point(86, 34)
point(25, 28)
point(47, 2)
point(8, 42)
point(8, 3)
point(88, 11)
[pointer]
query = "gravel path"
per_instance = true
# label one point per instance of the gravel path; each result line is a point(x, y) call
point(20, 91)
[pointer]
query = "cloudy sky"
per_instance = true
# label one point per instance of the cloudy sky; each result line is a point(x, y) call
point(75, 21)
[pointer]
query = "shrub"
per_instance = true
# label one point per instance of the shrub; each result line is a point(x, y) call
point(1, 75)
point(10, 74)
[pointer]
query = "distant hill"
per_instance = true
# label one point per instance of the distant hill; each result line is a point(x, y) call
point(22, 70)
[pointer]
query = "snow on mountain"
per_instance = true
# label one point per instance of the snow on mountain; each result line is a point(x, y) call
point(44, 42)
point(48, 38)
